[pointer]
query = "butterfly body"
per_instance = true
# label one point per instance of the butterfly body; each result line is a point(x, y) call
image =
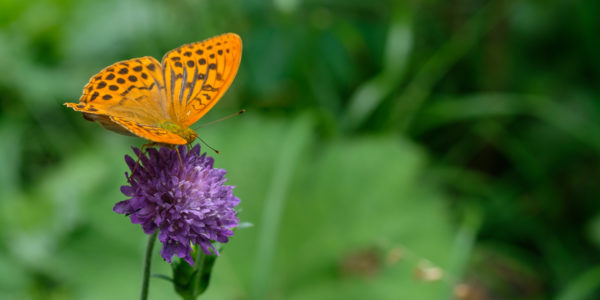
point(160, 101)
point(185, 132)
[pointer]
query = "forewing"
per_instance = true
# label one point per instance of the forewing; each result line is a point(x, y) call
point(131, 89)
point(149, 132)
point(198, 74)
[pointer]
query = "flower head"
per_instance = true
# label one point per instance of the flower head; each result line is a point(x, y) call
point(182, 196)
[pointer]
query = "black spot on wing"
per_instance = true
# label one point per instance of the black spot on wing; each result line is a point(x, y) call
point(94, 96)
point(131, 87)
point(208, 88)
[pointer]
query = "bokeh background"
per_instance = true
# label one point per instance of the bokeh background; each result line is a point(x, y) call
point(391, 150)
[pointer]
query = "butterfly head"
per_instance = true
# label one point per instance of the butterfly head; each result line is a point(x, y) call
point(185, 132)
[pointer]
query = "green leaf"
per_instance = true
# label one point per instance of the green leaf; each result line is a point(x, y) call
point(192, 281)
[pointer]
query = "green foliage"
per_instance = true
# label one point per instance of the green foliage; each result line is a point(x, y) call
point(192, 281)
point(384, 141)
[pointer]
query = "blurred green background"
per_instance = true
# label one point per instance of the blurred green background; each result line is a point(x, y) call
point(391, 150)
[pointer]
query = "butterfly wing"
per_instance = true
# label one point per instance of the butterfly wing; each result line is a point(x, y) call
point(128, 94)
point(149, 132)
point(198, 74)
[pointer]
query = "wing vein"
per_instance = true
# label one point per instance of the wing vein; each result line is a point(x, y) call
point(183, 83)
point(172, 88)
point(203, 84)
point(172, 84)
point(193, 85)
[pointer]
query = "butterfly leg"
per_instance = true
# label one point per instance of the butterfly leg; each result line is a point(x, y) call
point(179, 156)
point(137, 161)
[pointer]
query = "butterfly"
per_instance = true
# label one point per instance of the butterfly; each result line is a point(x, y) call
point(160, 101)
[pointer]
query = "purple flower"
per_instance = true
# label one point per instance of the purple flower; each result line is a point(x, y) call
point(188, 205)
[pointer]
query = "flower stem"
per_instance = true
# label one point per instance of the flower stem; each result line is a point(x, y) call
point(147, 264)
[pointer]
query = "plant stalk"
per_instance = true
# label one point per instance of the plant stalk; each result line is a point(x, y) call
point(147, 265)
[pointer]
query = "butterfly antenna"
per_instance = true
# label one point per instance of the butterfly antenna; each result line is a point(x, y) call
point(223, 119)
point(209, 146)
point(216, 121)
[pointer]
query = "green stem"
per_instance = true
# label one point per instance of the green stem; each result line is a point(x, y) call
point(198, 264)
point(147, 264)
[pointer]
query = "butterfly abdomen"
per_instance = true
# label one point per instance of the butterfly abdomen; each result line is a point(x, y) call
point(188, 134)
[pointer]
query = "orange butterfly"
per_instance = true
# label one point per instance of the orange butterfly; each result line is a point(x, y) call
point(159, 102)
